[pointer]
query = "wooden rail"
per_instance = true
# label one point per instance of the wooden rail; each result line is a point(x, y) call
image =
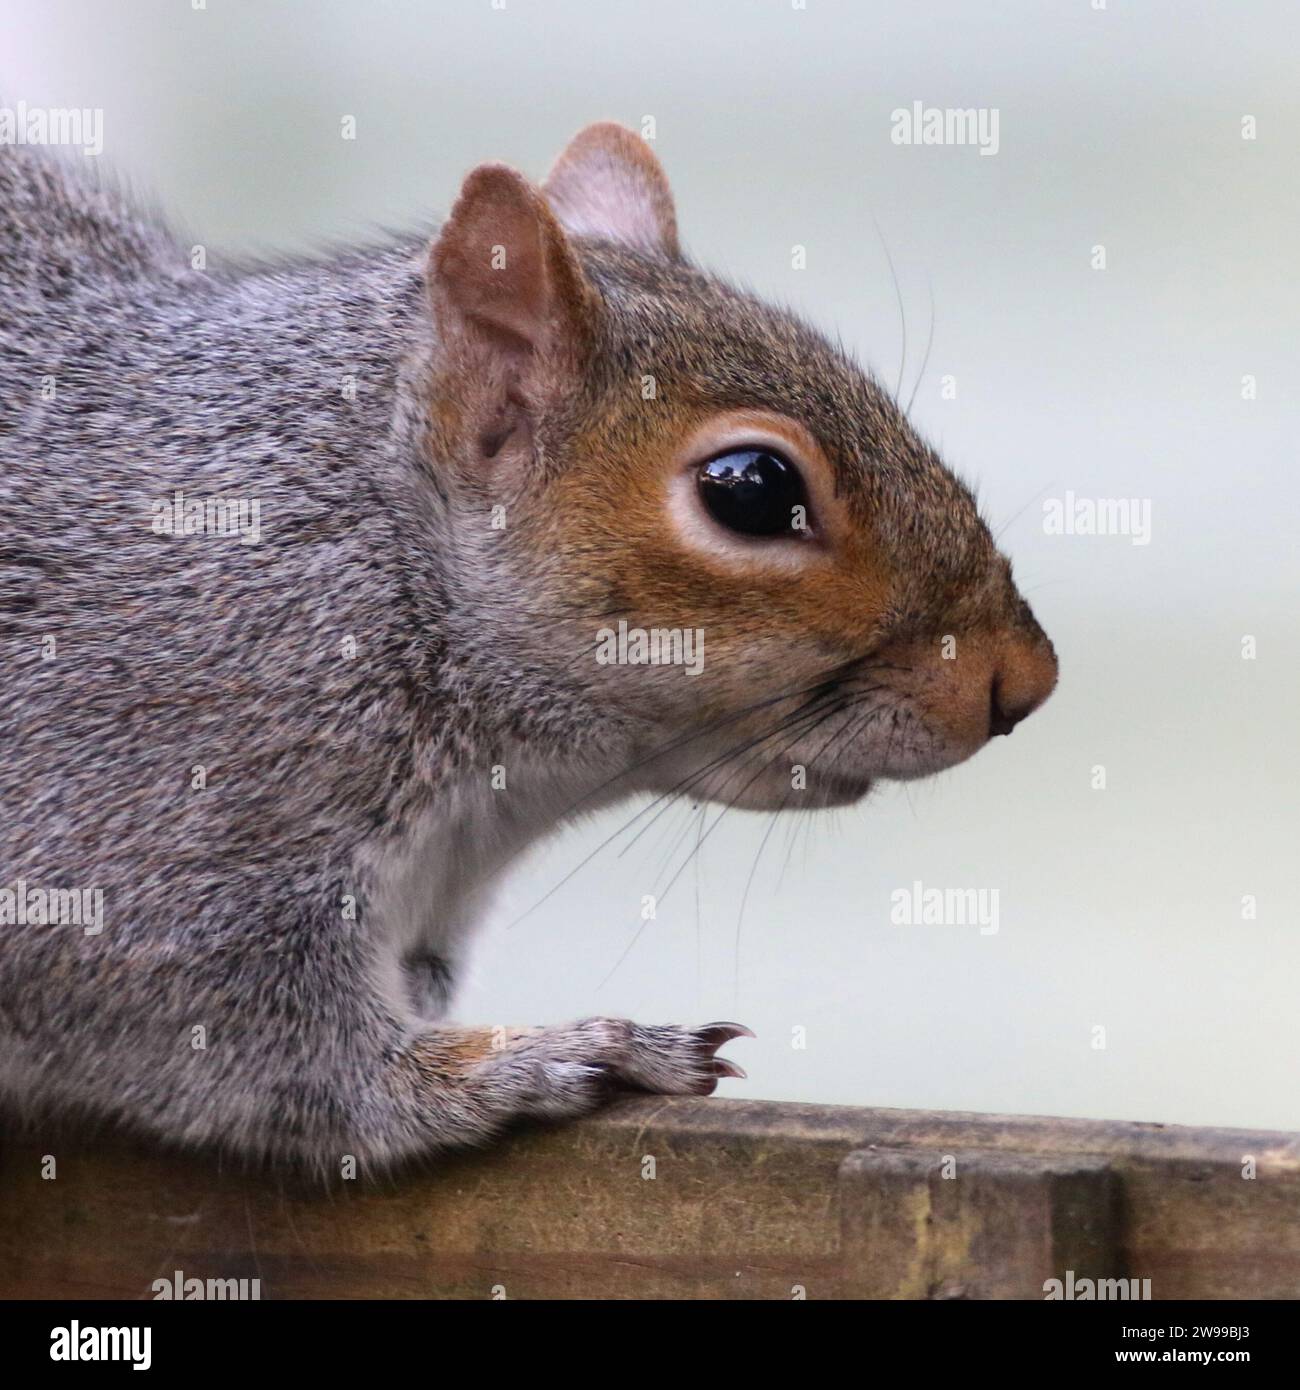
point(687, 1199)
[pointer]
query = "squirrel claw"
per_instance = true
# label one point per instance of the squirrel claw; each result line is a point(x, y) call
point(714, 1035)
point(711, 1037)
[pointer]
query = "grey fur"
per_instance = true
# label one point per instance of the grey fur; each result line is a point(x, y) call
point(307, 907)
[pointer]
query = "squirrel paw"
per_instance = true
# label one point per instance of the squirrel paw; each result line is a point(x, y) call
point(571, 1069)
point(673, 1061)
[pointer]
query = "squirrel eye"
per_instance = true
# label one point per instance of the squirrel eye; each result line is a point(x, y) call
point(752, 491)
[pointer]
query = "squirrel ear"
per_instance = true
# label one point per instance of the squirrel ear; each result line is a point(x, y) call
point(608, 184)
point(502, 269)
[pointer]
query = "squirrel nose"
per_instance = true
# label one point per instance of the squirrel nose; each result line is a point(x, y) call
point(1024, 678)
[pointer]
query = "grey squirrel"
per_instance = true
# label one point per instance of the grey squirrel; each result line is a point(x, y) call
point(294, 760)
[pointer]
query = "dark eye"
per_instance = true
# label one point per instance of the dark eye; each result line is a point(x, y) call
point(755, 492)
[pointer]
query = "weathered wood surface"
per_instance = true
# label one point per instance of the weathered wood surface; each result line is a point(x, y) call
point(747, 1199)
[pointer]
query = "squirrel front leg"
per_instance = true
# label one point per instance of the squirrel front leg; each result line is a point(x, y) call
point(457, 1086)
point(288, 1051)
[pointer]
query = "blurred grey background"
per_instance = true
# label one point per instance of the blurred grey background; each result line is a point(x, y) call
point(1119, 909)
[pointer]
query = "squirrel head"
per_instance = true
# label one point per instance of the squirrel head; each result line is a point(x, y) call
point(688, 512)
